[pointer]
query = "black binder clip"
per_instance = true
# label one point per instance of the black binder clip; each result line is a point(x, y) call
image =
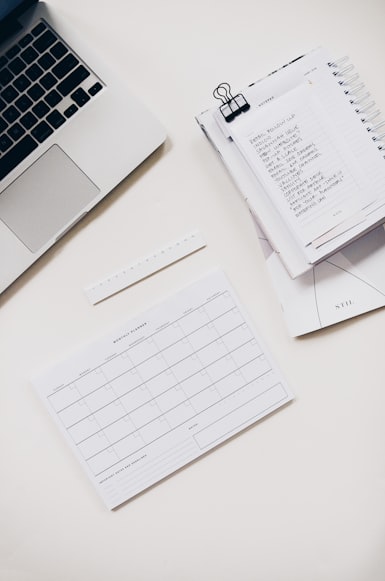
point(231, 106)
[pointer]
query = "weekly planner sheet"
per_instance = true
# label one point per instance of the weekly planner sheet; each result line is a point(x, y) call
point(163, 389)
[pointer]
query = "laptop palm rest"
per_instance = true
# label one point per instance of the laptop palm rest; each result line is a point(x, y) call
point(45, 198)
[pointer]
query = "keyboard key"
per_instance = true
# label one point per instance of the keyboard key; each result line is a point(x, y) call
point(5, 77)
point(35, 92)
point(44, 41)
point(73, 80)
point(42, 131)
point(11, 114)
point(23, 103)
point(40, 109)
point(28, 120)
point(15, 155)
point(5, 143)
point(3, 61)
point(9, 94)
point(46, 61)
point(58, 50)
point(23, 42)
point(3, 104)
point(53, 98)
point(13, 51)
point(65, 66)
point(80, 97)
point(3, 125)
point(21, 83)
point(39, 28)
point(70, 111)
point(29, 55)
point(95, 89)
point(55, 119)
point(17, 65)
point(34, 72)
point(16, 131)
point(48, 81)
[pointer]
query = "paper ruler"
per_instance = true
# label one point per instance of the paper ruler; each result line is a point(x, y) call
point(144, 267)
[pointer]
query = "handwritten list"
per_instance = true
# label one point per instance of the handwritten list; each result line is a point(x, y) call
point(302, 162)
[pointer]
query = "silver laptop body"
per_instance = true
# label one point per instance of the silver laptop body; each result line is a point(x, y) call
point(69, 132)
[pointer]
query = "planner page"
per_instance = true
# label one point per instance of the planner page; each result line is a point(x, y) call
point(303, 163)
point(163, 388)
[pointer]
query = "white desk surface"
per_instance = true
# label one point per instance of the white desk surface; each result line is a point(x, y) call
point(299, 496)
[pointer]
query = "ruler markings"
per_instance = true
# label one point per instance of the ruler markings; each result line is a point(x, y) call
point(144, 267)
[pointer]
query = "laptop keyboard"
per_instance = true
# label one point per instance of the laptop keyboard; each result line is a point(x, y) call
point(43, 83)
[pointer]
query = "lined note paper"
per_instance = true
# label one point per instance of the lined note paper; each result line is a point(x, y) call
point(163, 389)
point(305, 165)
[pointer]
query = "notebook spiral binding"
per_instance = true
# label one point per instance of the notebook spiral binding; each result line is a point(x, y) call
point(360, 100)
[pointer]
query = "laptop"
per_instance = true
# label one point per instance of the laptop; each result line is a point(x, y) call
point(70, 131)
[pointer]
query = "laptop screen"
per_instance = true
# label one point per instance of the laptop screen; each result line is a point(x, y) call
point(13, 7)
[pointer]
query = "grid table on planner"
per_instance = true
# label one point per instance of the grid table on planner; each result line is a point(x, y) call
point(198, 362)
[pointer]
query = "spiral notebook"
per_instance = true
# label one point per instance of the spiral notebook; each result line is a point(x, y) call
point(305, 147)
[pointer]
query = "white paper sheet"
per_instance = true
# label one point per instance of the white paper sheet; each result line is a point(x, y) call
point(304, 164)
point(348, 284)
point(163, 389)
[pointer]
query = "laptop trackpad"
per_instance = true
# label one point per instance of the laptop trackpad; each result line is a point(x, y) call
point(45, 198)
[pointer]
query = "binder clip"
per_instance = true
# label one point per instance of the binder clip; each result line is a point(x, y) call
point(231, 106)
